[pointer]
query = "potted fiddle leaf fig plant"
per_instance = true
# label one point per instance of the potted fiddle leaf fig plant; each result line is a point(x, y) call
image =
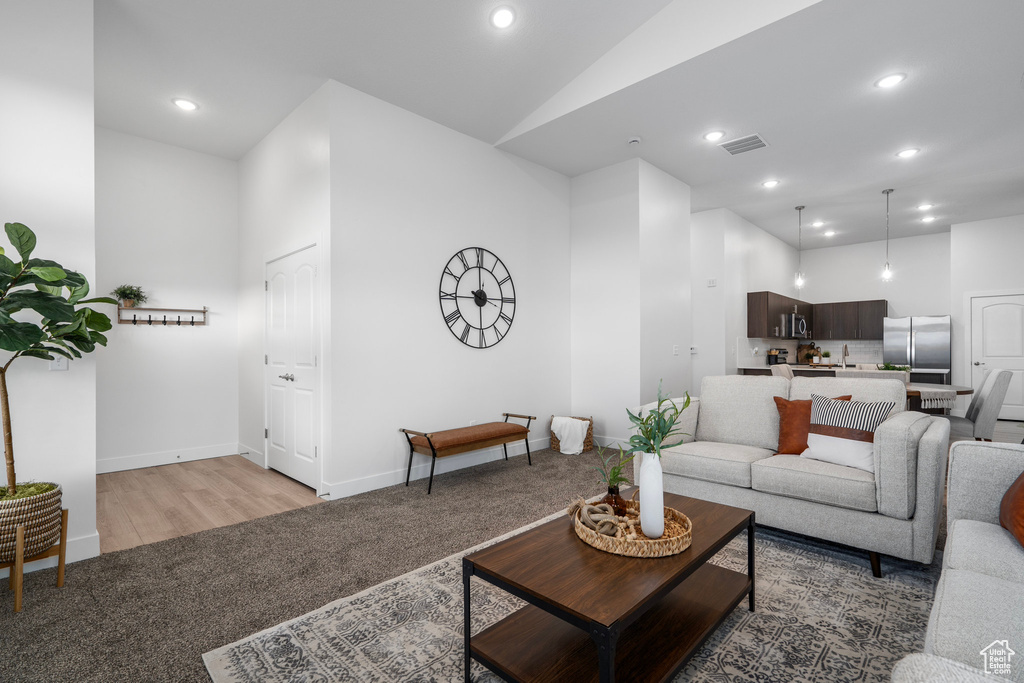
point(54, 320)
point(652, 431)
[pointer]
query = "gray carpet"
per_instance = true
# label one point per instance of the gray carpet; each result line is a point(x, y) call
point(149, 613)
point(821, 616)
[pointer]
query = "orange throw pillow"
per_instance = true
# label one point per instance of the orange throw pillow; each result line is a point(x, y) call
point(1011, 510)
point(795, 424)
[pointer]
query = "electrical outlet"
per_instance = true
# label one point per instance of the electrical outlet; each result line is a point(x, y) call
point(712, 282)
point(59, 363)
point(693, 350)
point(675, 349)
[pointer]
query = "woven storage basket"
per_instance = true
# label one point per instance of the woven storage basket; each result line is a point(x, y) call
point(40, 516)
point(588, 440)
point(641, 547)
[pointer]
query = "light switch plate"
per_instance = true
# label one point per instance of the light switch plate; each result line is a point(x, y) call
point(59, 363)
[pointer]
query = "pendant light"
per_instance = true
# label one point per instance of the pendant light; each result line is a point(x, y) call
point(799, 282)
point(887, 271)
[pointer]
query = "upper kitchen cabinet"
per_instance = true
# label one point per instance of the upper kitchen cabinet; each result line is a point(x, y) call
point(765, 311)
point(822, 328)
point(871, 318)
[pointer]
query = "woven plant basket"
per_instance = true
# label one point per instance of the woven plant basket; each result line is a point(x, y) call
point(642, 547)
point(40, 516)
point(588, 440)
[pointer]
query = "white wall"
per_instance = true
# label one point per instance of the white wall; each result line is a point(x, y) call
point(47, 176)
point(742, 258)
point(406, 195)
point(167, 220)
point(606, 315)
point(921, 274)
point(663, 283)
point(284, 204)
point(985, 259)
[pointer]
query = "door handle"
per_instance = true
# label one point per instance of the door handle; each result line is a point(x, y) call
point(977, 363)
point(288, 378)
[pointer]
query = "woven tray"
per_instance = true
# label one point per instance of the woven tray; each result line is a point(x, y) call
point(674, 541)
point(588, 440)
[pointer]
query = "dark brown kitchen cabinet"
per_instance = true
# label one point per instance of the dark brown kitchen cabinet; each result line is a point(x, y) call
point(765, 311)
point(845, 320)
point(822, 328)
point(871, 318)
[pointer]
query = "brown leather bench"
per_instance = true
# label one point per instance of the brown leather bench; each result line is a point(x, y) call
point(465, 439)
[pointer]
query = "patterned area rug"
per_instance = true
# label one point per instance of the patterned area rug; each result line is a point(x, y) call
point(820, 616)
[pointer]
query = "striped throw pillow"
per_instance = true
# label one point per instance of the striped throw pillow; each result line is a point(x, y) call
point(843, 432)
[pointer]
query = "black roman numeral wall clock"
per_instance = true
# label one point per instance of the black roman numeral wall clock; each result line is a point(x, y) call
point(478, 299)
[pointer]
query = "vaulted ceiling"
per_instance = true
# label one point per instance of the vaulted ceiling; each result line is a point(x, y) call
point(572, 81)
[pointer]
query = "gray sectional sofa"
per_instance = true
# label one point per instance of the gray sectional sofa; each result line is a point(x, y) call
point(979, 601)
point(730, 458)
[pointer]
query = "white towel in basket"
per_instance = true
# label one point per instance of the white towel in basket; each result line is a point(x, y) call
point(570, 433)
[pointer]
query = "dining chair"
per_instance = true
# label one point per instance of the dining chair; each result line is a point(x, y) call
point(980, 422)
point(782, 371)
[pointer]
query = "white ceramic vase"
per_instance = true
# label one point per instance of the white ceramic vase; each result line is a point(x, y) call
point(652, 496)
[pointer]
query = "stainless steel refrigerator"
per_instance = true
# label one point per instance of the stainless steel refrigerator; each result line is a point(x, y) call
point(923, 343)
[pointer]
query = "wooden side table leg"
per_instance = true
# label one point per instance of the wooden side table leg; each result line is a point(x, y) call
point(18, 570)
point(63, 547)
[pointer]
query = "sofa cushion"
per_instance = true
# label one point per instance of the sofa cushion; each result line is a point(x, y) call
point(816, 481)
point(984, 548)
point(740, 409)
point(795, 424)
point(842, 432)
point(922, 668)
point(971, 612)
point(1011, 510)
point(723, 463)
point(867, 390)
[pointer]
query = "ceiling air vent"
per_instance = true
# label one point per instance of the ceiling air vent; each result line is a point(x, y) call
point(741, 145)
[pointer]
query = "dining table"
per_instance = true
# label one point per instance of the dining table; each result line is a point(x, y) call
point(914, 395)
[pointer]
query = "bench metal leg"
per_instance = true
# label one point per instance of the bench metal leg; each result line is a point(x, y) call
point(433, 461)
point(529, 460)
point(505, 447)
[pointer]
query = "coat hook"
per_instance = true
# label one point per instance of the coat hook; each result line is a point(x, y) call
point(134, 321)
point(179, 321)
point(193, 321)
point(165, 320)
point(150, 320)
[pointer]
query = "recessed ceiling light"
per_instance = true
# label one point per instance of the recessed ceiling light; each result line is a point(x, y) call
point(928, 219)
point(925, 207)
point(817, 224)
point(714, 136)
point(187, 105)
point(907, 153)
point(770, 183)
point(830, 233)
point(503, 17)
point(890, 81)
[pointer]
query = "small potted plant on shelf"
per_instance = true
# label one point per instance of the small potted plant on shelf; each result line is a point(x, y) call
point(827, 355)
point(62, 326)
point(612, 474)
point(651, 433)
point(129, 295)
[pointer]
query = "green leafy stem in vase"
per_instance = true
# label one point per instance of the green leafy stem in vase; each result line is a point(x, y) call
point(613, 466)
point(657, 426)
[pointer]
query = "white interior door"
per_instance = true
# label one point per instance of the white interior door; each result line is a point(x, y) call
point(292, 382)
point(997, 343)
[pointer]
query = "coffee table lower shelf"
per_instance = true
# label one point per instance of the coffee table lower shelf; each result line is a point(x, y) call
point(533, 645)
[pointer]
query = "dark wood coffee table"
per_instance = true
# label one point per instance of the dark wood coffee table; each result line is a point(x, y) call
point(595, 616)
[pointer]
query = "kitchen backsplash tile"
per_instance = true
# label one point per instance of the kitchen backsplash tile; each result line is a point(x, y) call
point(751, 353)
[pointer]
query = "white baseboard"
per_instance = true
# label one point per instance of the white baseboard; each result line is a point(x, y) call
point(134, 462)
point(421, 468)
point(81, 548)
point(253, 455)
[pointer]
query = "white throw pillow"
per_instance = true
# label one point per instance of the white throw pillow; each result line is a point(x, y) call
point(843, 432)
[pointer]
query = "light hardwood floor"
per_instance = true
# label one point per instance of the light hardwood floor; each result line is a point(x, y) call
point(142, 506)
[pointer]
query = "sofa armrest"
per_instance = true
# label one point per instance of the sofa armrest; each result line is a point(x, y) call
point(979, 474)
point(922, 668)
point(897, 451)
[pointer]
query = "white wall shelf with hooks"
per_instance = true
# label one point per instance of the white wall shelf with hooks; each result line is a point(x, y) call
point(177, 317)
